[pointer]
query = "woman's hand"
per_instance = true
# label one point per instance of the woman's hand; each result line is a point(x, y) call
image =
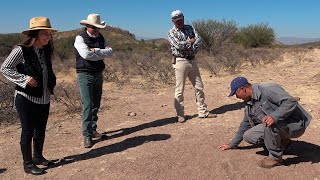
point(32, 82)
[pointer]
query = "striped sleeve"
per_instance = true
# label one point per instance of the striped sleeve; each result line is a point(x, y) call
point(177, 42)
point(9, 70)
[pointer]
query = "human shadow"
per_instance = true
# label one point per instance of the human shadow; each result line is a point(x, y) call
point(127, 131)
point(228, 107)
point(113, 148)
point(2, 170)
point(302, 152)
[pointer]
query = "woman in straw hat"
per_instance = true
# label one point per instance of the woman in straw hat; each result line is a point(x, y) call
point(29, 67)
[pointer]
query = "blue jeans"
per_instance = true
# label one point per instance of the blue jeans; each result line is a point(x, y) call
point(91, 91)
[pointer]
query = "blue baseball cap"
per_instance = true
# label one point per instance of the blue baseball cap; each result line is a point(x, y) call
point(236, 83)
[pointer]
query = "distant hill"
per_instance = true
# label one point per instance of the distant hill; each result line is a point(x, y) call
point(118, 39)
point(296, 40)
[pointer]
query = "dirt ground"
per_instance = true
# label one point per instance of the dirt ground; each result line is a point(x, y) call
point(151, 145)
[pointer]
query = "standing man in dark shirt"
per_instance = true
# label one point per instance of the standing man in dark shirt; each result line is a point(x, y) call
point(272, 117)
point(185, 42)
point(91, 49)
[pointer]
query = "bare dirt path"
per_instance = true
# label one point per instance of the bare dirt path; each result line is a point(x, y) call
point(151, 145)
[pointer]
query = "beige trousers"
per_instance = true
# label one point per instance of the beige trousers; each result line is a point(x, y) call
point(188, 68)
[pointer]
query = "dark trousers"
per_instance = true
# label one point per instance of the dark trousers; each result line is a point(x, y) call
point(33, 118)
point(91, 91)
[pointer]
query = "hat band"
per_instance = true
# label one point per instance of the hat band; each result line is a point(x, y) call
point(41, 26)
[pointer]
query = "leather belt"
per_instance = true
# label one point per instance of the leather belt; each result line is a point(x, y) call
point(187, 57)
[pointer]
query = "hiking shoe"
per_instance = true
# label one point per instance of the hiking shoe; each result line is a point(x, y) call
point(181, 119)
point(269, 162)
point(209, 116)
point(97, 135)
point(285, 143)
point(87, 142)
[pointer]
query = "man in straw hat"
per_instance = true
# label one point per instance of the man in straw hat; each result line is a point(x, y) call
point(272, 117)
point(29, 67)
point(91, 49)
point(185, 42)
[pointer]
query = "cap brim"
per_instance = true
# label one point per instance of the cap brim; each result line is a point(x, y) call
point(26, 32)
point(232, 93)
point(177, 19)
point(85, 22)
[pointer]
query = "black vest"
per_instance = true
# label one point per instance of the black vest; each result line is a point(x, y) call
point(83, 65)
point(32, 67)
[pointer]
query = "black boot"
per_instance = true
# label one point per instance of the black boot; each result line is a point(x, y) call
point(38, 158)
point(28, 165)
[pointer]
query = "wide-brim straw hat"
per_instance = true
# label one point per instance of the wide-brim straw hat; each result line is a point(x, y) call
point(38, 23)
point(93, 20)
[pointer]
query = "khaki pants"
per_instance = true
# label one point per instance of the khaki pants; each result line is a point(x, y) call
point(188, 68)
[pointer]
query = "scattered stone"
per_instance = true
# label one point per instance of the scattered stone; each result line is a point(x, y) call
point(131, 114)
point(163, 105)
point(309, 110)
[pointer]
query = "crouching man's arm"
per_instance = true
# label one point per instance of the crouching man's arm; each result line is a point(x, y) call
point(244, 126)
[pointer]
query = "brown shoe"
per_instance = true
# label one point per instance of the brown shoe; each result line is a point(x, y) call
point(97, 135)
point(209, 116)
point(181, 119)
point(87, 142)
point(285, 143)
point(269, 162)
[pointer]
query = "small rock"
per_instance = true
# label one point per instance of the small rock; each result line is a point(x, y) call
point(163, 105)
point(309, 110)
point(132, 114)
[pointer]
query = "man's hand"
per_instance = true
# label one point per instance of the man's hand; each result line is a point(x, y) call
point(268, 120)
point(224, 147)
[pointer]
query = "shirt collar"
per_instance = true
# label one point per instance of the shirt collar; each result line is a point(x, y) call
point(256, 93)
point(90, 35)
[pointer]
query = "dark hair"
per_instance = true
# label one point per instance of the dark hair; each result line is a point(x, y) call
point(30, 39)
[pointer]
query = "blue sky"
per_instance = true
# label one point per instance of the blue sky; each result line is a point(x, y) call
point(151, 18)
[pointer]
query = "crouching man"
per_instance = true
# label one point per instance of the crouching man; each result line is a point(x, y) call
point(272, 117)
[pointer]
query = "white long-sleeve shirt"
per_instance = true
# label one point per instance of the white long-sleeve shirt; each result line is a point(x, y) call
point(85, 52)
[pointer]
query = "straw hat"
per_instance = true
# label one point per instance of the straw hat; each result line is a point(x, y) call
point(37, 23)
point(93, 20)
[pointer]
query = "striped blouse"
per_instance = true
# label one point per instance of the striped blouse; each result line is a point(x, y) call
point(9, 70)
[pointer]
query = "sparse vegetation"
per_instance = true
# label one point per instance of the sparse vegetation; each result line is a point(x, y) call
point(147, 63)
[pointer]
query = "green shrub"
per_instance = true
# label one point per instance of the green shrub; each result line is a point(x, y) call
point(215, 34)
point(255, 35)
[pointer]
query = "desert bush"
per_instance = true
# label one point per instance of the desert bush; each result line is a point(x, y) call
point(215, 35)
point(154, 67)
point(232, 57)
point(300, 55)
point(68, 95)
point(255, 35)
point(150, 66)
point(64, 48)
point(7, 110)
point(259, 56)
